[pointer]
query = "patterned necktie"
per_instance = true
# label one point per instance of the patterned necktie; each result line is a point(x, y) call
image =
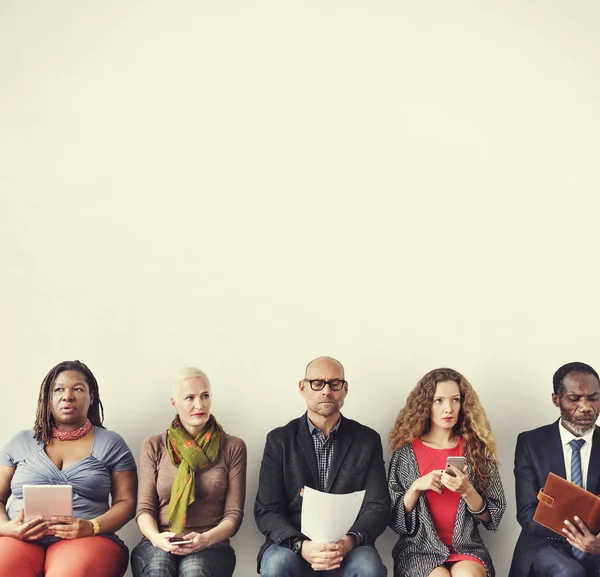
point(577, 478)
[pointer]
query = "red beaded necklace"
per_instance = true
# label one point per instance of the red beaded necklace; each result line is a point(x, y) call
point(72, 435)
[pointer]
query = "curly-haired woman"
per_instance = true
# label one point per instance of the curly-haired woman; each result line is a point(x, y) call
point(436, 509)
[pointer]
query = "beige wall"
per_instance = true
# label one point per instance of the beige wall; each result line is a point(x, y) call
point(246, 185)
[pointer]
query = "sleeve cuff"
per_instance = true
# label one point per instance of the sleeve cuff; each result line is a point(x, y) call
point(358, 537)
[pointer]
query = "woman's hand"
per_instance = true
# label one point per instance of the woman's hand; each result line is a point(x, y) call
point(31, 530)
point(459, 483)
point(430, 482)
point(161, 541)
point(70, 527)
point(199, 541)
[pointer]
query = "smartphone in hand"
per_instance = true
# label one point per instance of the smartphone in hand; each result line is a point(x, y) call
point(458, 462)
point(179, 541)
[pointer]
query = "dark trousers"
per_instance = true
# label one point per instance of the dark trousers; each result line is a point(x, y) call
point(150, 561)
point(556, 560)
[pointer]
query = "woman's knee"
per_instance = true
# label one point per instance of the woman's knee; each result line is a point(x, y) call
point(150, 561)
point(440, 571)
point(21, 558)
point(467, 569)
point(216, 561)
point(86, 557)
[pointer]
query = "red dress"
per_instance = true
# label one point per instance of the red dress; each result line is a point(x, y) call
point(443, 507)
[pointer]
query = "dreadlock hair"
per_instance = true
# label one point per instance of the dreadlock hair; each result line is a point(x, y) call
point(44, 420)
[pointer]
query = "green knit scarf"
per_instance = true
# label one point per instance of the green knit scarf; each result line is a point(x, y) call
point(189, 456)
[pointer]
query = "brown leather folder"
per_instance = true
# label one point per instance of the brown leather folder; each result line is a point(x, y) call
point(560, 499)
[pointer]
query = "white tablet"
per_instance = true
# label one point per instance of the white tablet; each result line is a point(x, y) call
point(47, 500)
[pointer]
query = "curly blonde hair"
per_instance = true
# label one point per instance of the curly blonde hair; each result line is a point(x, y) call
point(414, 421)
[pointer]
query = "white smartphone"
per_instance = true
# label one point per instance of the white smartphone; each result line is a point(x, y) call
point(179, 541)
point(458, 462)
point(47, 501)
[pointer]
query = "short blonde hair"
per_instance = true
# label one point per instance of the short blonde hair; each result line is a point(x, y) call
point(188, 373)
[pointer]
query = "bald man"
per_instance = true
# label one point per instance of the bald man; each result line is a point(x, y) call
point(328, 452)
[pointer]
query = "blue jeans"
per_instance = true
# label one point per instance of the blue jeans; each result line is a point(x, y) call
point(150, 561)
point(278, 561)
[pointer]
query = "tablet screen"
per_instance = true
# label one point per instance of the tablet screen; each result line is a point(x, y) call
point(47, 500)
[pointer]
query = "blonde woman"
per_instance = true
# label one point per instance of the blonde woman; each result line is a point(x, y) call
point(436, 509)
point(192, 486)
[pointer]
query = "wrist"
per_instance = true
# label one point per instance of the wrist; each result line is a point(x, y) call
point(483, 509)
point(296, 545)
point(469, 493)
point(357, 538)
point(414, 490)
point(95, 526)
point(349, 542)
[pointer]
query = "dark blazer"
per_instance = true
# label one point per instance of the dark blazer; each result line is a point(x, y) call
point(538, 453)
point(289, 463)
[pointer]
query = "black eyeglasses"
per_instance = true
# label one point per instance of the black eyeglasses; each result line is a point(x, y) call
point(319, 384)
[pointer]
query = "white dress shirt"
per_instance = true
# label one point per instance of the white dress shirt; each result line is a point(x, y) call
point(565, 438)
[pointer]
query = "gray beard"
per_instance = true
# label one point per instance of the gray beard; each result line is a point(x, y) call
point(577, 430)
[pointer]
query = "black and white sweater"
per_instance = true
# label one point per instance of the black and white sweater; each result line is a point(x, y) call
point(419, 549)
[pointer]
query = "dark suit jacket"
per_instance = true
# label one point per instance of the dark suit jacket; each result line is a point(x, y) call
point(289, 463)
point(538, 453)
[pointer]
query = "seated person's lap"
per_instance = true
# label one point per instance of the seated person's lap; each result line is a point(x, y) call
point(556, 560)
point(278, 561)
point(22, 558)
point(470, 568)
point(149, 560)
point(85, 557)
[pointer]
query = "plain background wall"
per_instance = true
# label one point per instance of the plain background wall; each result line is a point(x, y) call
point(246, 185)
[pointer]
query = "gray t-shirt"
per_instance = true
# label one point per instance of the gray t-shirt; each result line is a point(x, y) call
point(90, 477)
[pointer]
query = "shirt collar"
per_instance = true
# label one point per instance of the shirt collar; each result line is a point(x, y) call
point(566, 436)
point(312, 428)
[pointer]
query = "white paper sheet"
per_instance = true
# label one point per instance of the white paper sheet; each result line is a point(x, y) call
point(326, 517)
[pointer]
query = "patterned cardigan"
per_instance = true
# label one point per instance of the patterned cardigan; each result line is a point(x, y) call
point(419, 550)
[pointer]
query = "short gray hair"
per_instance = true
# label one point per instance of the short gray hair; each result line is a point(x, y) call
point(188, 373)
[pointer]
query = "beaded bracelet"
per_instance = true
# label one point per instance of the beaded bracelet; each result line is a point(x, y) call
point(482, 510)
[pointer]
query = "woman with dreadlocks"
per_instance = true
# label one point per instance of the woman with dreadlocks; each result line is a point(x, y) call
point(67, 446)
point(192, 489)
point(436, 509)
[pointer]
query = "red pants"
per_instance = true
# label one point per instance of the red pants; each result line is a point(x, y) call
point(85, 557)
